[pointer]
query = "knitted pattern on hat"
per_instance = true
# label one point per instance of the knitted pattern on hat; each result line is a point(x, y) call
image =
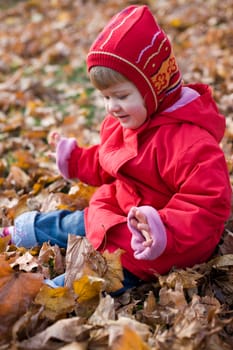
point(133, 44)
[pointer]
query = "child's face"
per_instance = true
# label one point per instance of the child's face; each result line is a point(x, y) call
point(124, 102)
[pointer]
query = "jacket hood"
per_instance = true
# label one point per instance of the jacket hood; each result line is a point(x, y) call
point(133, 44)
point(202, 111)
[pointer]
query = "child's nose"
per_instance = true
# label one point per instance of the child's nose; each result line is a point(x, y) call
point(113, 106)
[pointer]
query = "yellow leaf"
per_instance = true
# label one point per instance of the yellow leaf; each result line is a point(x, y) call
point(57, 302)
point(32, 106)
point(176, 22)
point(88, 287)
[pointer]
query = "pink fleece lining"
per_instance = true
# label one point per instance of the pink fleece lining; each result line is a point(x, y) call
point(187, 96)
point(63, 152)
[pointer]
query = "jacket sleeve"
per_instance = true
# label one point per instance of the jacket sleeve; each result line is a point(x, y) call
point(195, 215)
point(84, 165)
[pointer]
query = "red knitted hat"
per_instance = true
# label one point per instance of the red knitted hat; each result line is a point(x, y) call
point(133, 44)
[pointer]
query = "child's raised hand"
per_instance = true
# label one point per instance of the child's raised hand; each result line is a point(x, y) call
point(149, 236)
point(62, 148)
point(53, 139)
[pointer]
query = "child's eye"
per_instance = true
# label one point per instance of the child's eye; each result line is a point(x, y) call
point(122, 97)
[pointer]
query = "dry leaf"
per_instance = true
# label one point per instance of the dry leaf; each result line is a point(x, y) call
point(66, 330)
point(57, 302)
point(17, 291)
point(88, 287)
point(129, 340)
point(104, 312)
point(25, 262)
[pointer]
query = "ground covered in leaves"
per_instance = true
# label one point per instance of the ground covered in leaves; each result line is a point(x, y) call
point(44, 87)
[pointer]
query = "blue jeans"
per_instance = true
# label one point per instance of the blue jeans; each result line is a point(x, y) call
point(57, 225)
point(36, 228)
point(33, 227)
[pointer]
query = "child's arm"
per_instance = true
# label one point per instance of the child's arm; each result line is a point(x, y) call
point(76, 162)
point(149, 237)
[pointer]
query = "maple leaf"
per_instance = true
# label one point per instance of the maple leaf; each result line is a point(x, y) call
point(17, 291)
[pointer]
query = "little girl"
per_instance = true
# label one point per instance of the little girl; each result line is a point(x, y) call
point(163, 187)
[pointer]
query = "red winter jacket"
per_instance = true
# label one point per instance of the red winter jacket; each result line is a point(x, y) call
point(173, 163)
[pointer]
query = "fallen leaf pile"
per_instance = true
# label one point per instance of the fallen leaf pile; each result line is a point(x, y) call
point(44, 88)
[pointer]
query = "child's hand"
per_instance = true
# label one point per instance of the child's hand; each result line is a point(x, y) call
point(63, 148)
point(139, 222)
point(149, 236)
point(53, 139)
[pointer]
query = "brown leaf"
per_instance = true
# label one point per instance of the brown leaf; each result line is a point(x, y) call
point(83, 260)
point(78, 249)
point(114, 273)
point(17, 291)
point(65, 330)
point(174, 298)
point(104, 312)
point(51, 260)
point(19, 208)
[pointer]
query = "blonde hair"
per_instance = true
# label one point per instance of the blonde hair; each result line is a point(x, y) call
point(104, 77)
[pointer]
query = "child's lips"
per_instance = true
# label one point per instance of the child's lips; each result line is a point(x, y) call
point(122, 116)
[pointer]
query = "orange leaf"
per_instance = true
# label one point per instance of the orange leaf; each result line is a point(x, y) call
point(129, 340)
point(4, 241)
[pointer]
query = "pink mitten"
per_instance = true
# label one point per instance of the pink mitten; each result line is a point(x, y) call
point(64, 149)
point(158, 235)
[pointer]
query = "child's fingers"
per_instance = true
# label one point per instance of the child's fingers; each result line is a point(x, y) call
point(148, 239)
point(134, 223)
point(140, 217)
point(54, 138)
